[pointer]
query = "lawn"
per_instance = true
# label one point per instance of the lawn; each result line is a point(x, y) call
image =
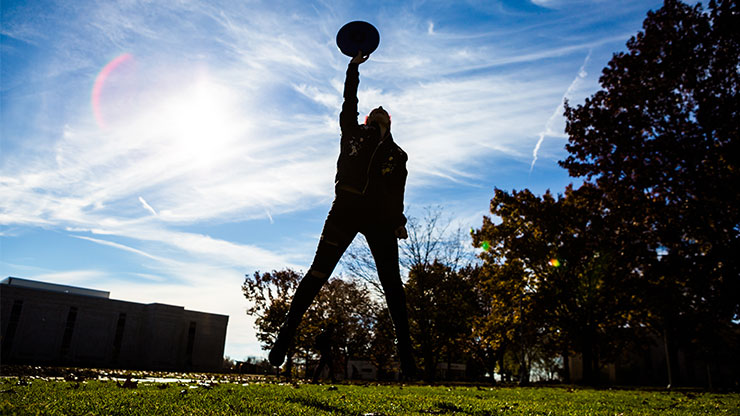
point(109, 394)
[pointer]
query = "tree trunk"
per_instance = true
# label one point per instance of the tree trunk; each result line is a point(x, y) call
point(430, 369)
point(305, 366)
point(668, 365)
point(289, 366)
point(492, 372)
point(501, 369)
point(709, 377)
point(587, 358)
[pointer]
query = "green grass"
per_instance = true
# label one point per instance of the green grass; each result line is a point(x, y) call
point(58, 397)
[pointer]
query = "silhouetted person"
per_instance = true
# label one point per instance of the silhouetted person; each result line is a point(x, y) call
point(369, 187)
point(325, 343)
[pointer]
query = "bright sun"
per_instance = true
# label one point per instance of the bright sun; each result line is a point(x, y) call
point(198, 125)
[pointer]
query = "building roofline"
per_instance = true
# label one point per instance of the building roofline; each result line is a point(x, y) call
point(54, 287)
point(99, 294)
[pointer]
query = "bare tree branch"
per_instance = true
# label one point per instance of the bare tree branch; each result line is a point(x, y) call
point(431, 238)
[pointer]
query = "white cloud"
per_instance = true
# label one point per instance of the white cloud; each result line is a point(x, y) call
point(557, 4)
point(86, 278)
point(118, 246)
point(202, 146)
point(545, 3)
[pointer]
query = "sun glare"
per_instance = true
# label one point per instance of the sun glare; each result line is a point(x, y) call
point(198, 124)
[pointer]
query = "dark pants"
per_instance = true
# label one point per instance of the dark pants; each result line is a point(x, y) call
point(349, 215)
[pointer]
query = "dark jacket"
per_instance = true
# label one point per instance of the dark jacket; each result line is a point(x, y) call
point(368, 164)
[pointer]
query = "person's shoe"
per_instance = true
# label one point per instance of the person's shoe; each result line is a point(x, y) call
point(282, 343)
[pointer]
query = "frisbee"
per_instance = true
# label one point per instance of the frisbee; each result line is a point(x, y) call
point(358, 36)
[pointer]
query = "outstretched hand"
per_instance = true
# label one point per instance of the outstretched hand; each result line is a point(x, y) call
point(401, 233)
point(359, 58)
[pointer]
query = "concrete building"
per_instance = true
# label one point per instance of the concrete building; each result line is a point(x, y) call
point(50, 324)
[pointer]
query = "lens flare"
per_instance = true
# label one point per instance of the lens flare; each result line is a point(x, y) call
point(554, 263)
point(100, 83)
point(485, 245)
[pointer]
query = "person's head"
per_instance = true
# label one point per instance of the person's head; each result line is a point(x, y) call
point(380, 116)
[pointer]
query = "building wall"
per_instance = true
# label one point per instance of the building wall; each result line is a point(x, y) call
point(55, 328)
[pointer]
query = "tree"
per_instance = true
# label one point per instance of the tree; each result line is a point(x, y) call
point(269, 295)
point(432, 255)
point(430, 239)
point(552, 280)
point(441, 311)
point(344, 304)
point(660, 142)
point(499, 327)
point(382, 348)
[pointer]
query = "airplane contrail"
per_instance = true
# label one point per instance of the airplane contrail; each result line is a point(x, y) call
point(147, 206)
point(558, 110)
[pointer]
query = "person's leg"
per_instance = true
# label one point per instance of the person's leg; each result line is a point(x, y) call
point(338, 233)
point(384, 247)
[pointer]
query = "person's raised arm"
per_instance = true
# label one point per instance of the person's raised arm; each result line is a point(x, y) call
point(348, 116)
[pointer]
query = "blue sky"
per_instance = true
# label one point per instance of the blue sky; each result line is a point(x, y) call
point(161, 150)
